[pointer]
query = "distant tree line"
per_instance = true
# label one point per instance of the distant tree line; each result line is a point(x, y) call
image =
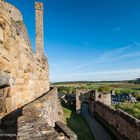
point(66, 90)
point(137, 81)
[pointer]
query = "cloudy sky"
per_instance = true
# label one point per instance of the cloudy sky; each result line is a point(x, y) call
point(88, 39)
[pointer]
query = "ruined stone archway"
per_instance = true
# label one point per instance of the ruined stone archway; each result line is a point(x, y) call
point(82, 96)
point(84, 106)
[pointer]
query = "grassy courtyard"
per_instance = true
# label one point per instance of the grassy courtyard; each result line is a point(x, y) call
point(78, 124)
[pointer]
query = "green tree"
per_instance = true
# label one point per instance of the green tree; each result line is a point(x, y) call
point(104, 89)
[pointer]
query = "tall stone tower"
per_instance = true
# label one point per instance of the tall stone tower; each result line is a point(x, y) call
point(39, 30)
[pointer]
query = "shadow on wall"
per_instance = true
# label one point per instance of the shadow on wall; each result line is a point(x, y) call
point(75, 101)
point(71, 105)
point(9, 125)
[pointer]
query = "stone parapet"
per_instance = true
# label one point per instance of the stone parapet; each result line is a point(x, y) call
point(119, 122)
point(38, 119)
point(61, 127)
point(46, 107)
point(129, 118)
point(30, 128)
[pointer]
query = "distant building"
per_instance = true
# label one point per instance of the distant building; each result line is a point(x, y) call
point(122, 98)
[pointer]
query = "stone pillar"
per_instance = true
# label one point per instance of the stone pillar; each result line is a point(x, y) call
point(39, 30)
point(96, 94)
point(78, 103)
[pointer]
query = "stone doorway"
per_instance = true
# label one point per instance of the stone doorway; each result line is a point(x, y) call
point(84, 106)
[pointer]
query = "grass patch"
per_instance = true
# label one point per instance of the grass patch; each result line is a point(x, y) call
point(130, 108)
point(78, 124)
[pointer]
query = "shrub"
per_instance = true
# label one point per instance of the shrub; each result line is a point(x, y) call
point(66, 90)
point(104, 89)
point(130, 108)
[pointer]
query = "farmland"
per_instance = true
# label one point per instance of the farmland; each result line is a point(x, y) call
point(119, 87)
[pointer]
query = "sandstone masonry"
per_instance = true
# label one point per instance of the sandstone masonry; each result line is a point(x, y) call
point(39, 30)
point(23, 74)
point(29, 108)
point(38, 117)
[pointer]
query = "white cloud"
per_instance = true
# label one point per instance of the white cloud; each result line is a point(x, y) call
point(111, 56)
point(67, 72)
point(100, 76)
point(117, 29)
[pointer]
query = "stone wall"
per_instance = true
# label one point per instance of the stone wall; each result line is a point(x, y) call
point(123, 125)
point(46, 107)
point(43, 119)
point(12, 11)
point(90, 96)
point(81, 97)
point(29, 109)
point(104, 98)
point(61, 127)
point(24, 77)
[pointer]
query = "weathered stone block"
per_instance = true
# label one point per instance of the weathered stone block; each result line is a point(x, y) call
point(61, 127)
point(3, 106)
point(4, 78)
point(1, 35)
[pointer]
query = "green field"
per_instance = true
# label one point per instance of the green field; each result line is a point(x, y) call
point(78, 124)
point(119, 87)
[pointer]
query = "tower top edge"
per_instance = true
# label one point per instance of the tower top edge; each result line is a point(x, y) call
point(38, 5)
point(13, 11)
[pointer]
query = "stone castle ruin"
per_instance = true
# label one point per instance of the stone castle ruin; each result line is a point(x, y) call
point(28, 106)
point(88, 96)
point(23, 74)
point(119, 123)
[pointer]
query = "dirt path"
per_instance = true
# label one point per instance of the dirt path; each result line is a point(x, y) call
point(97, 129)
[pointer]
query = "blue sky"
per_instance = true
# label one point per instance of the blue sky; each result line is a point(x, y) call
point(88, 39)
